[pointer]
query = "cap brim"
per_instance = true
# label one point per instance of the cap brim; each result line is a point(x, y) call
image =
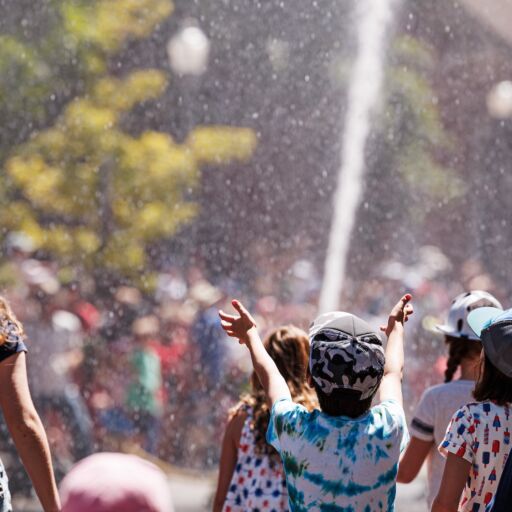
point(481, 318)
point(445, 329)
point(450, 331)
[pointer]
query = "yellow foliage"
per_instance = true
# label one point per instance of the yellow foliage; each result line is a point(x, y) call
point(107, 24)
point(146, 282)
point(164, 158)
point(38, 180)
point(222, 144)
point(123, 210)
point(124, 253)
point(29, 226)
point(60, 240)
point(157, 219)
point(22, 170)
point(96, 65)
point(53, 138)
point(87, 120)
point(151, 218)
point(18, 215)
point(87, 240)
point(122, 95)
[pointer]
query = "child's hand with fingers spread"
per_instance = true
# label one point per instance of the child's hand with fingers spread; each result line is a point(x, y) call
point(399, 314)
point(238, 327)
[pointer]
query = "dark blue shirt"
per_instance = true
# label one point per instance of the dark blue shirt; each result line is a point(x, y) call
point(14, 341)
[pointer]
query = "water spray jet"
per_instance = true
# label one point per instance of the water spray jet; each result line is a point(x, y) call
point(375, 17)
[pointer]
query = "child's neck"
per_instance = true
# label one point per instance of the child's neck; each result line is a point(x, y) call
point(469, 369)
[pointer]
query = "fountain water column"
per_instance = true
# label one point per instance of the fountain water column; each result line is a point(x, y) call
point(375, 16)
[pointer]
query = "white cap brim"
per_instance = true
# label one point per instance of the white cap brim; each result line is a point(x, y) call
point(445, 329)
point(449, 331)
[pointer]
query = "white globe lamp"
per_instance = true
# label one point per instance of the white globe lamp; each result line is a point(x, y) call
point(499, 100)
point(188, 51)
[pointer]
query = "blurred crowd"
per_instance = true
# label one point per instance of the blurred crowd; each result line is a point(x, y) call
point(123, 369)
point(155, 371)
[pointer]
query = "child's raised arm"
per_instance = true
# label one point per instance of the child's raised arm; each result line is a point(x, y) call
point(243, 327)
point(391, 384)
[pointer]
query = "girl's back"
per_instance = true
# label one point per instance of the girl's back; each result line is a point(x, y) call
point(480, 433)
point(431, 419)
point(477, 442)
point(439, 403)
point(251, 476)
point(258, 480)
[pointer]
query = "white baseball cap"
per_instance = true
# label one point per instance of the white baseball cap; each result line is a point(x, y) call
point(457, 325)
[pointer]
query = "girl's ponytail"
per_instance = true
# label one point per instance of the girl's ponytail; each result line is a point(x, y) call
point(459, 348)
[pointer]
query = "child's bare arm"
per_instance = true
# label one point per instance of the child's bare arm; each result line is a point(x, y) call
point(391, 385)
point(455, 475)
point(243, 327)
point(27, 430)
point(228, 457)
point(412, 460)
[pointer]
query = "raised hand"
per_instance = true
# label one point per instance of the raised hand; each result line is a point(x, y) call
point(237, 326)
point(399, 314)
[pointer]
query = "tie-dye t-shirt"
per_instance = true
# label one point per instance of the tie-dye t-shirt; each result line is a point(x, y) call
point(336, 463)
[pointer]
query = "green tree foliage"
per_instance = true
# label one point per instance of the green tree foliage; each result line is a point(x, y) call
point(413, 114)
point(84, 188)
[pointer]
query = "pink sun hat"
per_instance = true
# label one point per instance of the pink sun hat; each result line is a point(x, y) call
point(115, 482)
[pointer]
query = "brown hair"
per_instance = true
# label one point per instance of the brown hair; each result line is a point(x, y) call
point(493, 385)
point(288, 346)
point(459, 349)
point(8, 320)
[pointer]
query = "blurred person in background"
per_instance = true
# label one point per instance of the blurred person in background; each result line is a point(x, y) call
point(251, 473)
point(144, 400)
point(56, 343)
point(110, 377)
point(89, 315)
point(438, 403)
point(115, 482)
point(207, 333)
point(177, 357)
point(21, 417)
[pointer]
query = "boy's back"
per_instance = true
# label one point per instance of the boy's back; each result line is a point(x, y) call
point(336, 463)
point(345, 458)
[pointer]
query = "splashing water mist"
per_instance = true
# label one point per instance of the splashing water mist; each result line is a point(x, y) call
point(375, 17)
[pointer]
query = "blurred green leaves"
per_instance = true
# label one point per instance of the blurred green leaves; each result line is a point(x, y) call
point(23, 78)
point(413, 114)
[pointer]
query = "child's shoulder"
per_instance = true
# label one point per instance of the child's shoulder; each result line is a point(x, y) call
point(486, 406)
point(454, 387)
point(241, 410)
point(389, 408)
point(289, 407)
point(473, 410)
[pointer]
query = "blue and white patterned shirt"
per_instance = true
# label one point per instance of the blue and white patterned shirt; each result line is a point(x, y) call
point(336, 463)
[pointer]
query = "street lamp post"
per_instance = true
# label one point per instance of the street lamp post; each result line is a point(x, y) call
point(188, 51)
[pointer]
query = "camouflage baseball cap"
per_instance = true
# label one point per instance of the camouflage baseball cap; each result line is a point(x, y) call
point(345, 354)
